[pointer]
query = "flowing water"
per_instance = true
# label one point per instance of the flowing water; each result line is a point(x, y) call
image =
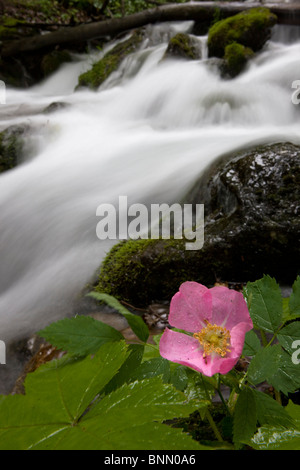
point(147, 133)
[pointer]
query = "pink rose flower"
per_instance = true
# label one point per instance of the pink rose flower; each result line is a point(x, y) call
point(217, 317)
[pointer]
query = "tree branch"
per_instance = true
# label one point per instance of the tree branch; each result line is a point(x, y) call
point(203, 11)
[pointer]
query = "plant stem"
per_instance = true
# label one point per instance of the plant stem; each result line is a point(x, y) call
point(223, 401)
point(278, 397)
point(221, 396)
point(264, 338)
point(213, 425)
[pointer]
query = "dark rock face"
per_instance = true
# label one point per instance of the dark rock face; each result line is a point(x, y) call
point(261, 184)
point(252, 227)
point(183, 46)
point(253, 202)
point(11, 145)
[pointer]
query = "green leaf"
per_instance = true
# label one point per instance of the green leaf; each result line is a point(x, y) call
point(287, 378)
point(294, 412)
point(294, 303)
point(152, 368)
point(178, 376)
point(124, 416)
point(132, 362)
point(275, 438)
point(275, 366)
point(264, 301)
point(288, 335)
point(270, 412)
point(252, 344)
point(245, 416)
point(152, 350)
point(279, 437)
point(135, 322)
point(80, 335)
point(63, 410)
point(286, 309)
point(57, 395)
point(264, 364)
point(199, 387)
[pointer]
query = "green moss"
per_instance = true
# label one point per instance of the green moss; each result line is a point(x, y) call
point(182, 45)
point(236, 56)
point(141, 271)
point(99, 72)
point(110, 62)
point(251, 28)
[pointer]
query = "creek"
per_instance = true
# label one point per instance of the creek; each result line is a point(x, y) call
point(147, 133)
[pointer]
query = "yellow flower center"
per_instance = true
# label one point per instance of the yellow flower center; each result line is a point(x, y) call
point(214, 338)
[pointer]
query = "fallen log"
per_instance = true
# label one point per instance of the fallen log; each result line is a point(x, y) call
point(287, 13)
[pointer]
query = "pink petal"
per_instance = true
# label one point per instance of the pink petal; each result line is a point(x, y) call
point(223, 365)
point(229, 307)
point(237, 338)
point(190, 307)
point(182, 349)
point(185, 350)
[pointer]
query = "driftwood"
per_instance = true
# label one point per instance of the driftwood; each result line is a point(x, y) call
point(200, 11)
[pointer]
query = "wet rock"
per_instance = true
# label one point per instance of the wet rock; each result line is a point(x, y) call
point(55, 106)
point(252, 227)
point(11, 145)
point(235, 39)
point(41, 352)
point(235, 59)
point(51, 62)
point(156, 317)
point(102, 69)
point(251, 28)
point(183, 46)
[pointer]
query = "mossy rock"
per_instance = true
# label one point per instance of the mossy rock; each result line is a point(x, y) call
point(252, 228)
point(236, 57)
point(102, 69)
point(183, 46)
point(141, 271)
point(11, 146)
point(52, 61)
point(250, 28)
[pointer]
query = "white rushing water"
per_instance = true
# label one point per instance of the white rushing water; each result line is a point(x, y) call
point(147, 134)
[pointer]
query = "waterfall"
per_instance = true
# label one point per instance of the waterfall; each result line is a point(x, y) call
point(147, 133)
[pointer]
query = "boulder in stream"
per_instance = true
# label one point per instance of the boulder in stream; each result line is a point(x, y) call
point(251, 28)
point(252, 228)
point(11, 146)
point(235, 39)
point(183, 46)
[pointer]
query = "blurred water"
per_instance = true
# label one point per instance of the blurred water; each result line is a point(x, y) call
point(147, 133)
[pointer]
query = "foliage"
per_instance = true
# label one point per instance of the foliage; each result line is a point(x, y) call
point(129, 7)
point(106, 394)
point(65, 11)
